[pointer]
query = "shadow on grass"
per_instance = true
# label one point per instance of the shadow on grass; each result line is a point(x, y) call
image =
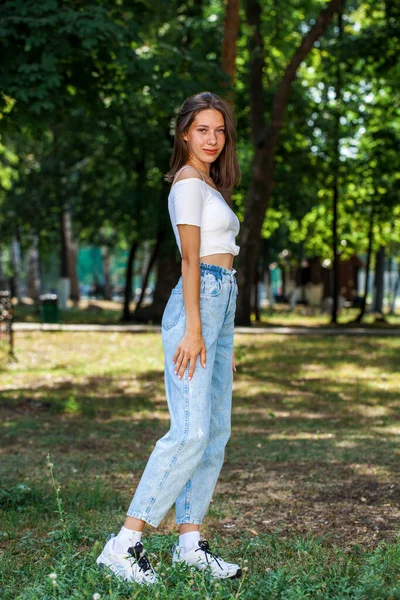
point(314, 445)
point(330, 352)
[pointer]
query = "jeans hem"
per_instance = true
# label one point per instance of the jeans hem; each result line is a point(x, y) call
point(189, 520)
point(137, 515)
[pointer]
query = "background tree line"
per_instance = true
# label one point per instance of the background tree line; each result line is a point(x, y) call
point(88, 97)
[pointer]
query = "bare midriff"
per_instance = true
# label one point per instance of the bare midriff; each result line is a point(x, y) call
point(221, 260)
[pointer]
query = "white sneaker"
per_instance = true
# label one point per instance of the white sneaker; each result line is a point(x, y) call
point(202, 558)
point(132, 565)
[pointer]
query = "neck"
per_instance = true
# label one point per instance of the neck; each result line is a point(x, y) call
point(200, 165)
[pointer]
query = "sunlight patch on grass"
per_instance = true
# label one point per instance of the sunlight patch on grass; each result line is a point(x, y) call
point(346, 444)
point(369, 469)
point(376, 411)
point(388, 430)
point(301, 436)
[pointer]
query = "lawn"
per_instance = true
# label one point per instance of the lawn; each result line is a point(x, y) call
point(308, 499)
point(102, 312)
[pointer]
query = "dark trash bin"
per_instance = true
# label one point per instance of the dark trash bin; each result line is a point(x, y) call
point(49, 311)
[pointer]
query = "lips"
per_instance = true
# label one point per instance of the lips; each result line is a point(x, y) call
point(211, 151)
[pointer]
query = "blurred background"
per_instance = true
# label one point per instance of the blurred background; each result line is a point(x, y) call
point(89, 94)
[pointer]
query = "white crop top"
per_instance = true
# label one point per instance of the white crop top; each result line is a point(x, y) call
point(193, 202)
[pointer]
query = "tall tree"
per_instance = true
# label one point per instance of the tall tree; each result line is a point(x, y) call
point(336, 167)
point(228, 59)
point(265, 139)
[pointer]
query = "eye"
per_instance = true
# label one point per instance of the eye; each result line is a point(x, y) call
point(202, 129)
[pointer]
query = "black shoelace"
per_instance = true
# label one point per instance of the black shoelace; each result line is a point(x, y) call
point(203, 545)
point(141, 559)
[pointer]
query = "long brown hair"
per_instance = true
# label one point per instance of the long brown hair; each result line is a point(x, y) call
point(225, 170)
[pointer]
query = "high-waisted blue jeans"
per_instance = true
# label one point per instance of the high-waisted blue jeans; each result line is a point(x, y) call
point(185, 463)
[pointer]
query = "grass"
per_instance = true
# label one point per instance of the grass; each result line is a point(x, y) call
point(304, 316)
point(308, 494)
point(101, 312)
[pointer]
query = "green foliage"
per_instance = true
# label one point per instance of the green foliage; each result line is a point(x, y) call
point(369, 132)
point(88, 98)
point(97, 128)
point(55, 55)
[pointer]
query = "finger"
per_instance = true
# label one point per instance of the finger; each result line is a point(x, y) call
point(193, 360)
point(178, 363)
point(183, 366)
point(177, 353)
point(203, 357)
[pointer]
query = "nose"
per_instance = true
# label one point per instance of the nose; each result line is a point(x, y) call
point(212, 140)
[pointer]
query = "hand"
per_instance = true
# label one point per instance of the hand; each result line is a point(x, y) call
point(233, 362)
point(190, 346)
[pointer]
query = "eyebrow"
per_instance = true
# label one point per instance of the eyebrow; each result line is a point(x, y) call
point(202, 125)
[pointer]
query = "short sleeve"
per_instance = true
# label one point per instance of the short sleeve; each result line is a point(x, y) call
point(188, 200)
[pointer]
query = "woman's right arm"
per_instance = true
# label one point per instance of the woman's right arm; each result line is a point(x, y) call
point(188, 208)
point(192, 344)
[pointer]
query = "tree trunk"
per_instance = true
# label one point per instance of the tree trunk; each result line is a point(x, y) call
point(395, 292)
point(73, 269)
point(106, 259)
point(16, 267)
point(146, 257)
point(265, 142)
point(336, 167)
point(168, 268)
point(3, 284)
point(126, 315)
point(150, 265)
point(264, 267)
point(231, 31)
point(65, 238)
point(228, 62)
point(69, 284)
point(256, 306)
point(168, 272)
point(359, 317)
point(283, 273)
point(379, 281)
point(33, 271)
point(64, 272)
point(336, 259)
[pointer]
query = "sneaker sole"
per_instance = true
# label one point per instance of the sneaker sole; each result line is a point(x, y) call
point(235, 576)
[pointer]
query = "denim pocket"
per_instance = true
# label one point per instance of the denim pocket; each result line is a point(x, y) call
point(172, 311)
point(210, 286)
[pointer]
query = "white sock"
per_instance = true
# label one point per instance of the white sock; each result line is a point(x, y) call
point(126, 538)
point(189, 540)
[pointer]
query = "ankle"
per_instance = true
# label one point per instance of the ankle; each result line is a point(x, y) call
point(126, 538)
point(189, 540)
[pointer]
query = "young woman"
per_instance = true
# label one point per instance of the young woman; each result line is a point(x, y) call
point(197, 336)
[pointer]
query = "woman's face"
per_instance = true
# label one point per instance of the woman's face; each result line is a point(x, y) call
point(206, 135)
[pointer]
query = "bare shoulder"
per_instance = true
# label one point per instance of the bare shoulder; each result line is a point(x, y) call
point(188, 173)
